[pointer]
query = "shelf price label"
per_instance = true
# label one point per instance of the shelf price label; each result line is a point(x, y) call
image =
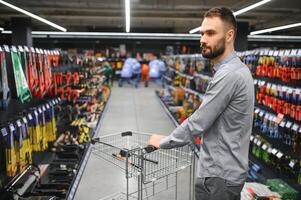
point(11, 128)
point(279, 155)
point(6, 48)
point(47, 106)
point(295, 127)
point(288, 124)
point(271, 53)
point(18, 122)
point(287, 52)
point(292, 164)
point(29, 116)
point(26, 48)
point(20, 48)
point(282, 124)
point(25, 120)
point(274, 151)
point(14, 49)
point(264, 147)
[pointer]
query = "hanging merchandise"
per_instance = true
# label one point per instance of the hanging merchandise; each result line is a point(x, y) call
point(22, 56)
point(41, 82)
point(23, 93)
point(34, 130)
point(4, 89)
point(284, 65)
point(20, 145)
point(202, 82)
point(27, 141)
point(53, 59)
point(50, 122)
point(280, 98)
point(10, 155)
point(251, 60)
point(42, 125)
point(31, 71)
point(47, 69)
point(68, 78)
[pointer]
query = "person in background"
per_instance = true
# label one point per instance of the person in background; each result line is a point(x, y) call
point(224, 118)
point(156, 71)
point(126, 72)
point(162, 69)
point(136, 69)
point(108, 72)
point(145, 73)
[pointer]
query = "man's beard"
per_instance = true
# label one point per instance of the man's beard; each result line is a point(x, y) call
point(215, 52)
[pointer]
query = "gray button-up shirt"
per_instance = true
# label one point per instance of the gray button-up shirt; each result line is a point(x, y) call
point(224, 122)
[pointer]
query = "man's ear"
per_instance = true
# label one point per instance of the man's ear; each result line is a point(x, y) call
point(230, 35)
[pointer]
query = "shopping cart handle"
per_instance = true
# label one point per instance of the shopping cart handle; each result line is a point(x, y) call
point(94, 140)
point(150, 149)
point(127, 133)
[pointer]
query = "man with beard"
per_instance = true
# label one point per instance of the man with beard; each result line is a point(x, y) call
point(224, 119)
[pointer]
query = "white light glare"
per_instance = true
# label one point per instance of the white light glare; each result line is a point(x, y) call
point(127, 16)
point(275, 28)
point(251, 7)
point(33, 16)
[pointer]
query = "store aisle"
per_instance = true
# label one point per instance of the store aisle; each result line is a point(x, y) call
point(128, 109)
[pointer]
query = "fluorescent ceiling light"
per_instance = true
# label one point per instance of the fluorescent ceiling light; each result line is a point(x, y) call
point(250, 7)
point(114, 35)
point(275, 28)
point(1, 29)
point(237, 12)
point(158, 36)
point(127, 16)
point(274, 38)
point(33, 16)
point(197, 29)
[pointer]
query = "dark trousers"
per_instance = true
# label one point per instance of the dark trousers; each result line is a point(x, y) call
point(213, 188)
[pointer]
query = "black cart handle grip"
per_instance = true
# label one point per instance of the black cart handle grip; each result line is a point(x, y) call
point(150, 149)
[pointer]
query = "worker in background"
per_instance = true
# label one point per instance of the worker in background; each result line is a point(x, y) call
point(126, 72)
point(108, 73)
point(145, 73)
point(162, 69)
point(156, 71)
point(136, 69)
point(224, 118)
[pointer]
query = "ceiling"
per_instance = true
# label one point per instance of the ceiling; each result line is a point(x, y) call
point(173, 16)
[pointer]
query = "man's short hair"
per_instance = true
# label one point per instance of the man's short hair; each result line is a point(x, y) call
point(225, 14)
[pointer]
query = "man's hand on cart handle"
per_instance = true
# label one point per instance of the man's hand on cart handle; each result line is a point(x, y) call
point(155, 140)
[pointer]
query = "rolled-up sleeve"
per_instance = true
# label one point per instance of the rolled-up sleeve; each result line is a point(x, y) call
point(215, 100)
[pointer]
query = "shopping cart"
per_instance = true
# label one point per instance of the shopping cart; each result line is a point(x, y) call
point(150, 166)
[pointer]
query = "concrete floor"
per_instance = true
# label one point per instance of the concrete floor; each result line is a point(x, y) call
point(134, 109)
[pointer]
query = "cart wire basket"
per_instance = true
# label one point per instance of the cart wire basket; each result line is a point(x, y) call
point(129, 152)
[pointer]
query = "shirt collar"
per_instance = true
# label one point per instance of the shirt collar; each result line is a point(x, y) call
point(225, 60)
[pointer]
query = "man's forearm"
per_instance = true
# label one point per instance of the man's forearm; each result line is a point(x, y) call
point(179, 137)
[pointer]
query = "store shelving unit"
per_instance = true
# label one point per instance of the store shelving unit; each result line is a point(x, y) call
point(279, 149)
